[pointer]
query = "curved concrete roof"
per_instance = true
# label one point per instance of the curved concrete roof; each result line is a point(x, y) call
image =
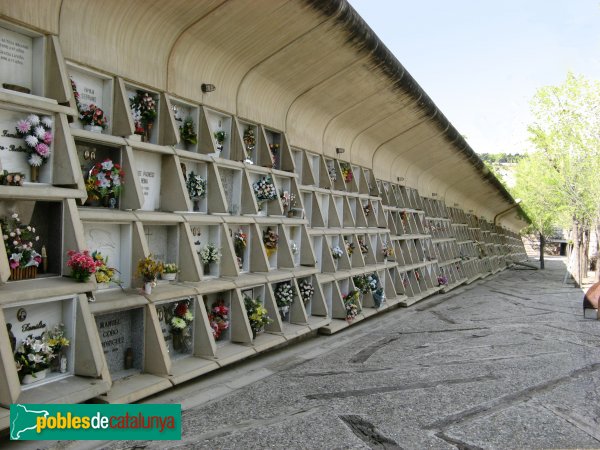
point(311, 68)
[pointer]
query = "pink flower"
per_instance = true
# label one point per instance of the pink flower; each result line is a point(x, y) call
point(48, 138)
point(43, 150)
point(23, 126)
point(14, 264)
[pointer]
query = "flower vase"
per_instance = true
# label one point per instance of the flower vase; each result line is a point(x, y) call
point(270, 251)
point(34, 377)
point(34, 173)
point(168, 276)
point(206, 269)
point(148, 287)
point(284, 313)
point(178, 342)
point(148, 131)
point(253, 333)
point(93, 128)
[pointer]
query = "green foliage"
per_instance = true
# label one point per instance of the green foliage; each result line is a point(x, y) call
point(566, 132)
point(558, 182)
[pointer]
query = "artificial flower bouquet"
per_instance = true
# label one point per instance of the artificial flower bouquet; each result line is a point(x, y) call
point(264, 189)
point(284, 294)
point(105, 180)
point(37, 134)
point(257, 314)
point(181, 318)
point(337, 252)
point(352, 304)
point(19, 240)
point(307, 291)
point(104, 273)
point(196, 185)
point(210, 254)
point(187, 132)
point(149, 269)
point(32, 356)
point(347, 174)
point(82, 264)
point(218, 318)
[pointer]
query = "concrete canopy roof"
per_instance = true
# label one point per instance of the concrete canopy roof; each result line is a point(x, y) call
point(311, 68)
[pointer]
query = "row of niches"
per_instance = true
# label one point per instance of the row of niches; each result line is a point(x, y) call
point(333, 209)
point(194, 251)
point(347, 251)
point(38, 236)
point(395, 195)
point(123, 177)
point(111, 106)
point(435, 208)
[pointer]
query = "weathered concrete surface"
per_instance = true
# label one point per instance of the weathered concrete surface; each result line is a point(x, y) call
point(507, 363)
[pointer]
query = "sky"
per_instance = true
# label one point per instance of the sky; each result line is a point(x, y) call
point(482, 61)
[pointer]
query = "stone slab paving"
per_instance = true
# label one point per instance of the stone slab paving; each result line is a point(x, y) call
point(508, 362)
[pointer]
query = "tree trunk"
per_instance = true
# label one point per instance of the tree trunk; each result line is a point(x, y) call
point(542, 245)
point(597, 275)
point(576, 256)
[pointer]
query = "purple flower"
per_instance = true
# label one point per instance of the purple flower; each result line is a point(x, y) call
point(43, 150)
point(48, 138)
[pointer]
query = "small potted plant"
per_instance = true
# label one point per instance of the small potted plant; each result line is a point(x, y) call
point(82, 265)
point(149, 269)
point(170, 271)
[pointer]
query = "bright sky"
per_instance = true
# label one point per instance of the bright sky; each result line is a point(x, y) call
point(482, 61)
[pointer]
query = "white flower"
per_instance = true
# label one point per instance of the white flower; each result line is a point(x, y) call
point(12, 234)
point(47, 121)
point(21, 349)
point(188, 316)
point(18, 232)
point(16, 256)
point(107, 165)
point(28, 227)
point(32, 141)
point(35, 160)
point(15, 216)
point(15, 242)
point(39, 132)
point(5, 237)
point(33, 119)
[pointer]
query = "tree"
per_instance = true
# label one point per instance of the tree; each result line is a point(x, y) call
point(538, 187)
point(566, 132)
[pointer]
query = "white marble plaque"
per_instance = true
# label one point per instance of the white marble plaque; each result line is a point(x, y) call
point(37, 318)
point(12, 161)
point(105, 238)
point(122, 338)
point(148, 171)
point(16, 58)
point(90, 88)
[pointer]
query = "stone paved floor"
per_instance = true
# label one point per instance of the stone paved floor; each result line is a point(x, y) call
point(506, 363)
